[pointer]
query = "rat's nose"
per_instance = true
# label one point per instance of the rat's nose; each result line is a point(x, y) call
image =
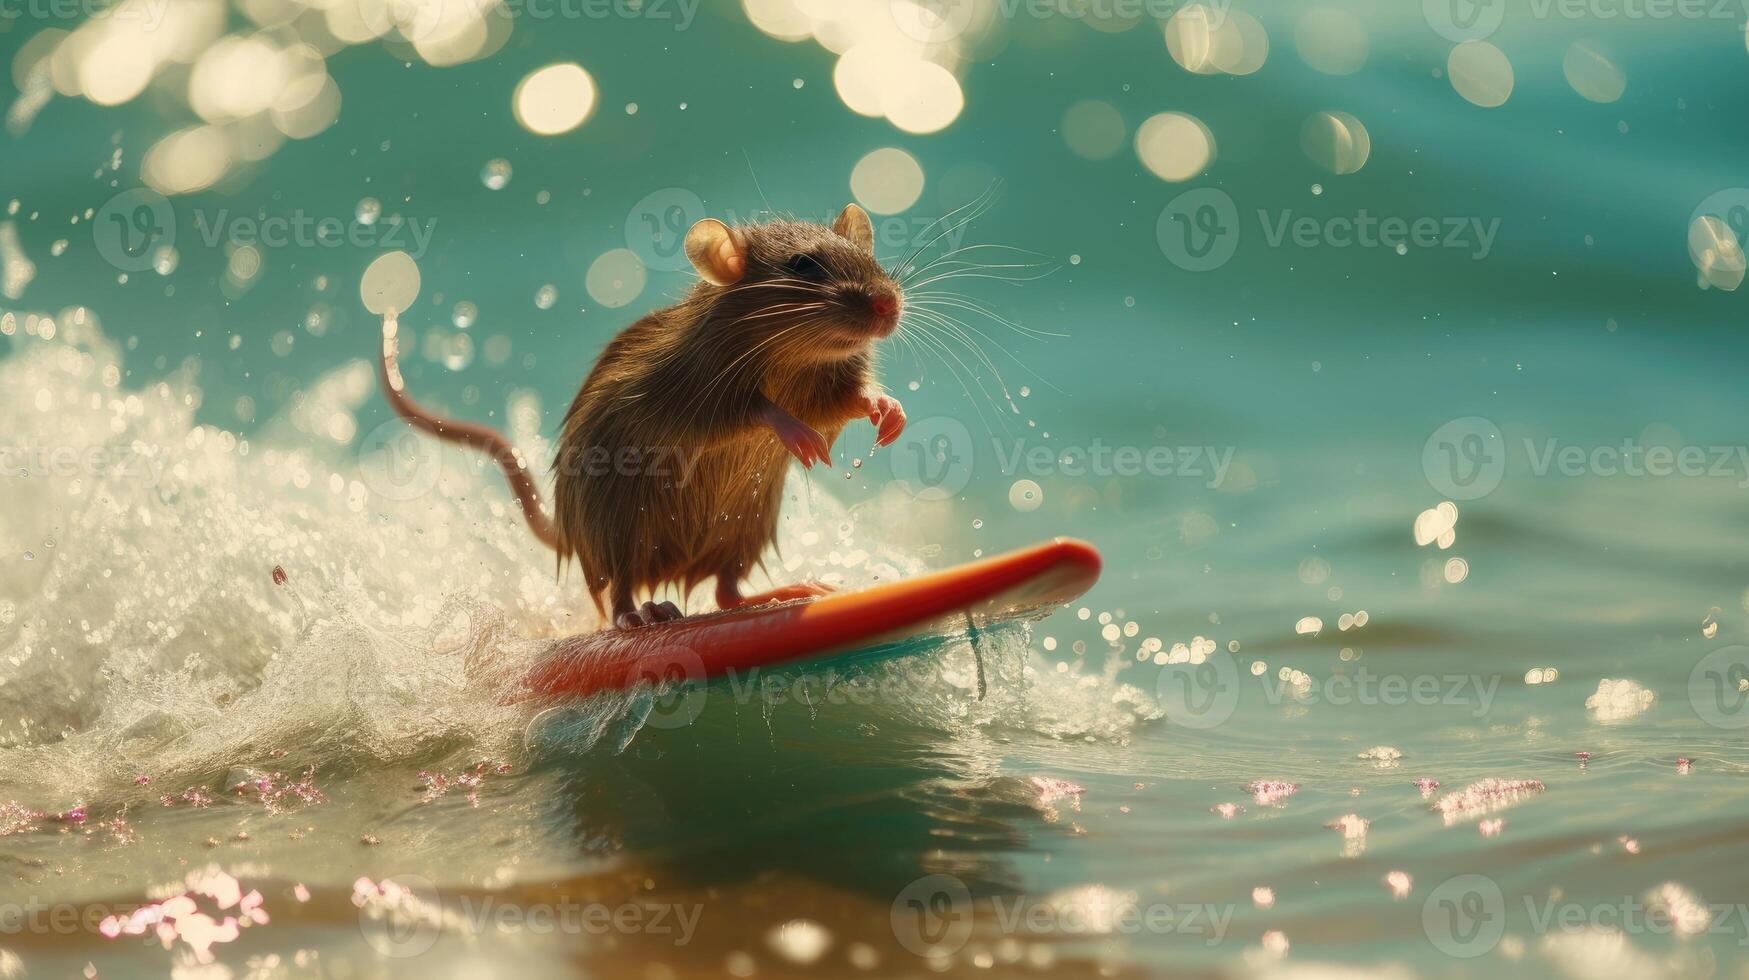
point(885, 305)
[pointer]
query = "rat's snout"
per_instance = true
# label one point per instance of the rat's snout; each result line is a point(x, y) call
point(885, 304)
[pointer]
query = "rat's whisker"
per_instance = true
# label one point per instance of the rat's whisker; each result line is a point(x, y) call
point(969, 305)
point(945, 220)
point(957, 330)
point(949, 359)
point(954, 257)
point(978, 207)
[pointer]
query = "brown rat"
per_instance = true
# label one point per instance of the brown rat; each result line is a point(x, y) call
point(671, 462)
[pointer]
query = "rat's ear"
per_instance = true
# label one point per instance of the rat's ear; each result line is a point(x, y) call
point(853, 224)
point(716, 252)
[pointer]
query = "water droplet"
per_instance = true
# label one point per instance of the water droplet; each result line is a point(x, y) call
point(855, 464)
point(496, 174)
point(369, 210)
point(546, 297)
point(464, 315)
point(977, 523)
point(30, 556)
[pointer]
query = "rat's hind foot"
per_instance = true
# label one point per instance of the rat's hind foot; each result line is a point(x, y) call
point(648, 614)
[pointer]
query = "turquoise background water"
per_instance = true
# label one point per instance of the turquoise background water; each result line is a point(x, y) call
point(1331, 378)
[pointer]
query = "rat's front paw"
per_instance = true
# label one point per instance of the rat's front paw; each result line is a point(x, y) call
point(887, 415)
point(802, 441)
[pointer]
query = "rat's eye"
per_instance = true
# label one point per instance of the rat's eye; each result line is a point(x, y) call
point(805, 265)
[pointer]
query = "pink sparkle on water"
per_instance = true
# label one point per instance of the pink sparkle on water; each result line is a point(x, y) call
point(1275, 942)
point(278, 794)
point(436, 784)
point(181, 917)
point(1629, 844)
point(1683, 767)
point(1399, 883)
point(1583, 757)
point(1352, 826)
point(1263, 897)
point(1270, 792)
point(1050, 789)
point(16, 818)
point(1491, 827)
point(1426, 786)
point(1227, 810)
point(1484, 797)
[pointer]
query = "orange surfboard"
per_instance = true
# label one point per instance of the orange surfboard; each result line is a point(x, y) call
point(1028, 583)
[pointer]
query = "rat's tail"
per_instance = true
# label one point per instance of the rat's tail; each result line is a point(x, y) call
point(465, 433)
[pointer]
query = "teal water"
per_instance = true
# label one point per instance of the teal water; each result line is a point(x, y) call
point(1560, 376)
